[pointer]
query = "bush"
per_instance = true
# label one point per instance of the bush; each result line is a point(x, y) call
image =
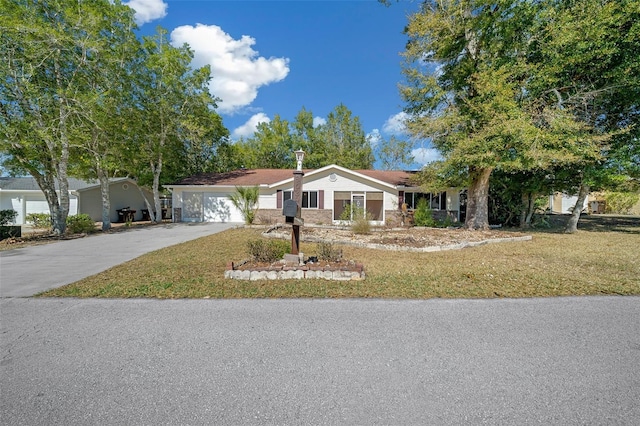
point(80, 223)
point(246, 199)
point(39, 220)
point(267, 250)
point(328, 253)
point(423, 216)
point(359, 219)
point(7, 216)
point(620, 202)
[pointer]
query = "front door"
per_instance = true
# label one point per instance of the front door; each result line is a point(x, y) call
point(357, 206)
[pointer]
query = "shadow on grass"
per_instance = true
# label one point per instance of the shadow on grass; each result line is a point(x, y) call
point(556, 223)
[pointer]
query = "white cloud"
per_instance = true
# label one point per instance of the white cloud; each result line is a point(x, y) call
point(318, 121)
point(249, 128)
point(148, 10)
point(374, 138)
point(237, 70)
point(395, 124)
point(425, 155)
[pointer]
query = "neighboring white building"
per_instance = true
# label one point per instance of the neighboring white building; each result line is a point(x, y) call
point(326, 193)
point(564, 203)
point(23, 195)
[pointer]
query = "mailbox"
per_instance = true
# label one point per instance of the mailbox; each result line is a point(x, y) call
point(290, 210)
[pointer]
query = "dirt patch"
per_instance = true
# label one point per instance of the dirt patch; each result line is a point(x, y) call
point(416, 237)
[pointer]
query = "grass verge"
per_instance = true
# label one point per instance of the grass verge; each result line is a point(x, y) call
point(602, 258)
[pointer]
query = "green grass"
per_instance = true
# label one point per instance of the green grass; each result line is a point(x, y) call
point(602, 258)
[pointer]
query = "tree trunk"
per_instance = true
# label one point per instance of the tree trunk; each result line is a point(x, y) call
point(156, 213)
point(528, 209)
point(106, 200)
point(572, 225)
point(478, 200)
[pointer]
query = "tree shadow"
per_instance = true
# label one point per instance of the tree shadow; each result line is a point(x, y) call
point(556, 223)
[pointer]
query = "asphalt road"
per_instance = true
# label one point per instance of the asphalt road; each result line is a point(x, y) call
point(560, 361)
point(31, 270)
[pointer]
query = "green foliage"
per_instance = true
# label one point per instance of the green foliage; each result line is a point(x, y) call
point(245, 199)
point(267, 250)
point(80, 223)
point(360, 223)
point(521, 86)
point(620, 202)
point(341, 140)
point(394, 153)
point(423, 215)
point(327, 252)
point(39, 220)
point(7, 216)
point(359, 218)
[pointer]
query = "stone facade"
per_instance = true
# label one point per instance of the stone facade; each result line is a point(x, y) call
point(393, 218)
point(310, 216)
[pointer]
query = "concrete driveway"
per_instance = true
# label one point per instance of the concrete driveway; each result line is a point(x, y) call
point(31, 270)
point(556, 361)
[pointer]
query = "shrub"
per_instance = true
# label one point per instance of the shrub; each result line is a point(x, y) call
point(359, 219)
point(327, 252)
point(39, 220)
point(620, 202)
point(246, 200)
point(267, 250)
point(7, 216)
point(80, 223)
point(361, 223)
point(423, 216)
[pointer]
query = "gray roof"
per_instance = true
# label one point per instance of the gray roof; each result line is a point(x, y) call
point(30, 184)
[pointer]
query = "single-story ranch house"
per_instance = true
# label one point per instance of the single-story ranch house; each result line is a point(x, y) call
point(23, 195)
point(327, 192)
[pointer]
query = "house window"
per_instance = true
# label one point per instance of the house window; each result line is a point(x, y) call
point(435, 201)
point(309, 198)
point(372, 202)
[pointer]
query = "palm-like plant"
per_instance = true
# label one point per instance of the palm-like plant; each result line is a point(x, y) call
point(245, 199)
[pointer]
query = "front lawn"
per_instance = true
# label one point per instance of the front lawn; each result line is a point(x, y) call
point(602, 258)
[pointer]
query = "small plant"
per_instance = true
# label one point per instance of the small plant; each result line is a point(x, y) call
point(267, 250)
point(328, 253)
point(423, 215)
point(246, 200)
point(361, 224)
point(39, 220)
point(359, 219)
point(80, 223)
point(7, 216)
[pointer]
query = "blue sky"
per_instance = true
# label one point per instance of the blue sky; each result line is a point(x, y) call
point(275, 57)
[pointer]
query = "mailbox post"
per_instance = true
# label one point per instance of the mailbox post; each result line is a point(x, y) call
point(296, 220)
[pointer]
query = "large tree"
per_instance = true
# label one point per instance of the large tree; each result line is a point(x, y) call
point(172, 115)
point(339, 140)
point(584, 59)
point(344, 140)
point(47, 73)
point(99, 136)
point(479, 78)
point(462, 90)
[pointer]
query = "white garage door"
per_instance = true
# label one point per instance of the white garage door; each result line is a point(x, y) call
point(218, 208)
point(35, 204)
